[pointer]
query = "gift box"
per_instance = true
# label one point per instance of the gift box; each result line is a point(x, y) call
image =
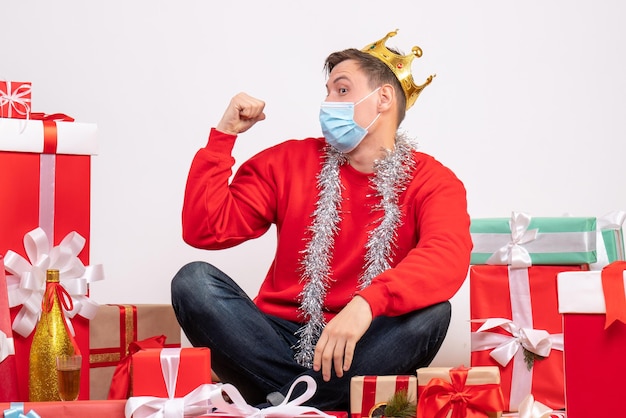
point(45, 186)
point(474, 389)
point(522, 241)
point(517, 327)
point(15, 99)
point(369, 393)
point(593, 305)
point(193, 369)
point(75, 409)
point(8, 372)
point(112, 331)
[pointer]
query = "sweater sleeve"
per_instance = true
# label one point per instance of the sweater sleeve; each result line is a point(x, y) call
point(217, 214)
point(434, 270)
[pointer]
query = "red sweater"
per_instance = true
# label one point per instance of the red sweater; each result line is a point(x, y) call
point(278, 186)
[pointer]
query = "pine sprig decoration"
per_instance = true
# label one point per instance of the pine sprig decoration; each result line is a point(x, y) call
point(530, 358)
point(400, 405)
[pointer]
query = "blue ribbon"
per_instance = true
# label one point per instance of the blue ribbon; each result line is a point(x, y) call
point(16, 410)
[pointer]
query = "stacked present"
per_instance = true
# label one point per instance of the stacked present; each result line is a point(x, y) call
point(45, 173)
point(516, 324)
point(44, 221)
point(119, 331)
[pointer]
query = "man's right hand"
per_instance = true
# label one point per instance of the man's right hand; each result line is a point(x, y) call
point(242, 112)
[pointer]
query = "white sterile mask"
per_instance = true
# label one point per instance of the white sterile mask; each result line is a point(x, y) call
point(339, 127)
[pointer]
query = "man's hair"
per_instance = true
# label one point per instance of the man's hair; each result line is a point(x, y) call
point(377, 72)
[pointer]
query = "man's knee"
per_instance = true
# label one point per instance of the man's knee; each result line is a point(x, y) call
point(187, 279)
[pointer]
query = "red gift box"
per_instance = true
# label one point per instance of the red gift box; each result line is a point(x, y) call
point(8, 372)
point(193, 370)
point(594, 342)
point(519, 306)
point(44, 189)
point(370, 392)
point(75, 409)
point(15, 99)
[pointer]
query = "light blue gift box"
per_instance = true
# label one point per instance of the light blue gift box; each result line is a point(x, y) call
point(543, 240)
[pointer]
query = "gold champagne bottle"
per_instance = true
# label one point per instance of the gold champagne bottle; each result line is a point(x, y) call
point(51, 339)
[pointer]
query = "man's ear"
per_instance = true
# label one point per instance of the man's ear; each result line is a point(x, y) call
point(386, 98)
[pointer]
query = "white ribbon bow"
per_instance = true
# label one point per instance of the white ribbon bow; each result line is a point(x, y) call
point(27, 283)
point(529, 408)
point(286, 409)
point(7, 348)
point(195, 403)
point(16, 97)
point(513, 253)
point(504, 347)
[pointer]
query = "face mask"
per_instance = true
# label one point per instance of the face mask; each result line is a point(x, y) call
point(339, 127)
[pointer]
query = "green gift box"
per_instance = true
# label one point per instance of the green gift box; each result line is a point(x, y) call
point(522, 241)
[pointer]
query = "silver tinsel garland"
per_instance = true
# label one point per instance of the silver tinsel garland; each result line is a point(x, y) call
point(392, 173)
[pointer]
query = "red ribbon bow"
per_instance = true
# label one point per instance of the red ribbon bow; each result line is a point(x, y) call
point(120, 384)
point(440, 397)
point(65, 299)
point(613, 289)
point(50, 129)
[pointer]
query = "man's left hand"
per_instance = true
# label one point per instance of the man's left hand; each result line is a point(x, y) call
point(338, 340)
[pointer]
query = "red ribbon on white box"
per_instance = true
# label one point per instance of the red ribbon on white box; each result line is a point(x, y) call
point(209, 398)
point(72, 138)
point(27, 283)
point(523, 334)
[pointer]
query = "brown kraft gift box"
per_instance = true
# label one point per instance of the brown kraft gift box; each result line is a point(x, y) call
point(114, 328)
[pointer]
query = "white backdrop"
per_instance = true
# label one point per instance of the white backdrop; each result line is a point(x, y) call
point(528, 107)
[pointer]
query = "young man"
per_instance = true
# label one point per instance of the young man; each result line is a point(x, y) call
point(373, 239)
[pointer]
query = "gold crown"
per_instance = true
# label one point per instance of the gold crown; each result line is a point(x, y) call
point(400, 65)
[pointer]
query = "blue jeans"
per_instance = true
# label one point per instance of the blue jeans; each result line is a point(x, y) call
point(253, 351)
